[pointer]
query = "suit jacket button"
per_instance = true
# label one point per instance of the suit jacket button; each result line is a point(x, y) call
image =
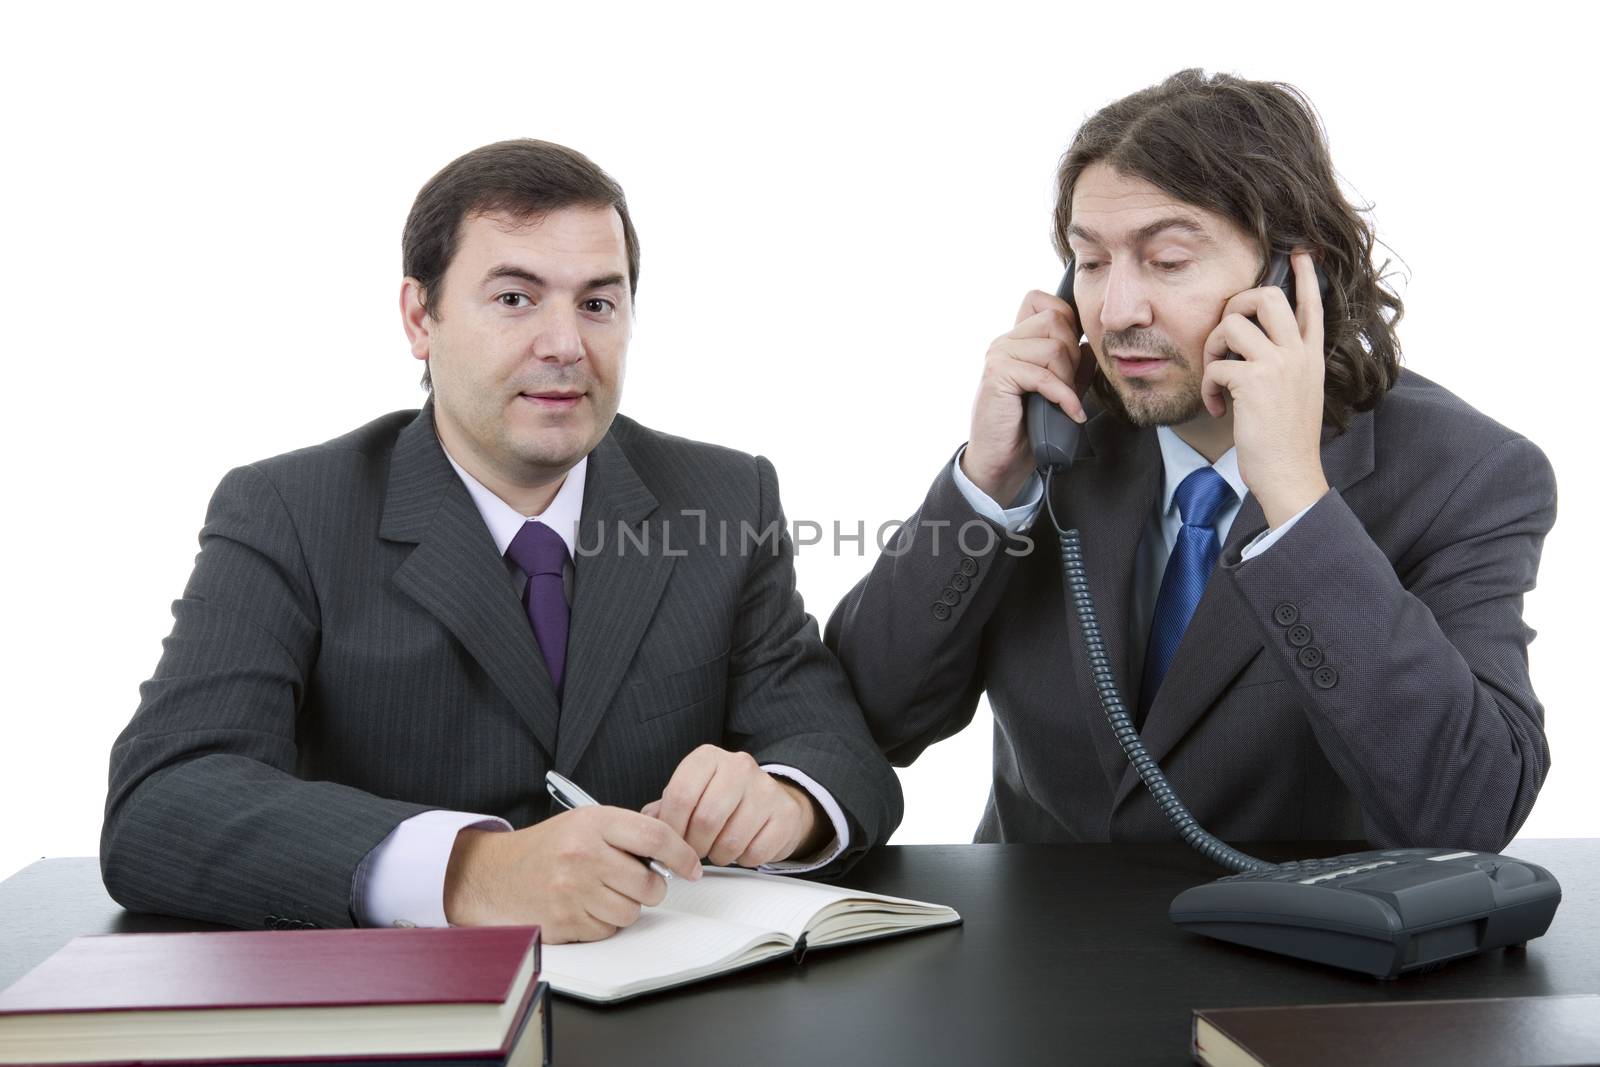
point(941, 610)
point(960, 582)
point(1285, 614)
point(1325, 677)
point(1300, 635)
point(1311, 656)
point(950, 596)
point(969, 566)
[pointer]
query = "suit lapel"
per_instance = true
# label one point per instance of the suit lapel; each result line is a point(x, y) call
point(456, 574)
point(616, 587)
point(1114, 486)
point(1222, 638)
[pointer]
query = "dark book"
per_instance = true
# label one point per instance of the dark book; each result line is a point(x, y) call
point(1499, 1032)
point(460, 995)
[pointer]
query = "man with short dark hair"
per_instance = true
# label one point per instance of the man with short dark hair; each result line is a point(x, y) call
point(1308, 563)
point(390, 638)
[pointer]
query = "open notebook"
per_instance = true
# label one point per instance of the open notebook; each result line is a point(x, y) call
point(729, 919)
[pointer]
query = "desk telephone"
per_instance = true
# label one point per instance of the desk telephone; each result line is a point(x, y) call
point(1383, 912)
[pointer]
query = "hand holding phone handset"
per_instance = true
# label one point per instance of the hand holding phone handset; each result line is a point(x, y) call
point(1382, 912)
point(1041, 354)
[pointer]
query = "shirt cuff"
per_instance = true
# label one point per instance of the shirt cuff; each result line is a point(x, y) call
point(1014, 519)
point(401, 881)
point(841, 830)
point(1267, 538)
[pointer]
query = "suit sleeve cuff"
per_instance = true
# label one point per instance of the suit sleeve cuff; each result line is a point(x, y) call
point(1267, 538)
point(841, 830)
point(1014, 519)
point(401, 881)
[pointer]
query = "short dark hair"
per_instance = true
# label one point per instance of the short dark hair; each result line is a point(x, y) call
point(1255, 152)
point(523, 178)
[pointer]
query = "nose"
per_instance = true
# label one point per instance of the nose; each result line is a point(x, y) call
point(559, 339)
point(1125, 302)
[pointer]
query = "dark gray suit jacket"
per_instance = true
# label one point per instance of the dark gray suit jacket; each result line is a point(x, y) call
point(1365, 677)
point(351, 651)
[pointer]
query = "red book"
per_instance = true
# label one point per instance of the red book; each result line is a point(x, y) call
point(278, 995)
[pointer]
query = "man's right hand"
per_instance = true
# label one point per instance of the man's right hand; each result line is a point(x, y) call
point(1040, 355)
point(578, 875)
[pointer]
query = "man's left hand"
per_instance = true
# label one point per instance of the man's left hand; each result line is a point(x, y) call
point(1276, 391)
point(730, 811)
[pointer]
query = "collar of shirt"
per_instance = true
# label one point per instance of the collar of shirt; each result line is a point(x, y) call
point(1179, 461)
point(504, 520)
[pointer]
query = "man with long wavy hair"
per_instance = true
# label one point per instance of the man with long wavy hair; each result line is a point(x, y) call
point(1309, 563)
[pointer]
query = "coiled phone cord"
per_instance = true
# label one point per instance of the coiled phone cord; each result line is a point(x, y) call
point(1105, 683)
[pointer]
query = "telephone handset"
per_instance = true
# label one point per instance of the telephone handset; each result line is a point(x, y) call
point(1382, 912)
point(1054, 437)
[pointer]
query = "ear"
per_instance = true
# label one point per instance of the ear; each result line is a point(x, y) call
point(415, 318)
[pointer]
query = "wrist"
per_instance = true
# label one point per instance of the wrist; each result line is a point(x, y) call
point(1000, 484)
point(1281, 505)
point(815, 826)
point(463, 899)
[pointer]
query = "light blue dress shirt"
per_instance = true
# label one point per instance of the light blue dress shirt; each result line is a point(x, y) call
point(1178, 461)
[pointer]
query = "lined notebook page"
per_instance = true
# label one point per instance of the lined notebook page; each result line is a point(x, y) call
point(662, 947)
point(731, 917)
point(764, 901)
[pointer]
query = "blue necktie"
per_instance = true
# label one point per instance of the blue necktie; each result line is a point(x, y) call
point(1200, 496)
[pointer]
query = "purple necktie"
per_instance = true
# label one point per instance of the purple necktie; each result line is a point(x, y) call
point(542, 555)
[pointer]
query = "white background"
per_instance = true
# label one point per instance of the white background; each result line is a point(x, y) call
point(839, 209)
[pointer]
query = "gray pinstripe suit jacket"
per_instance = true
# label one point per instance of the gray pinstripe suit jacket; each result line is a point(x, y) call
point(1412, 722)
point(351, 651)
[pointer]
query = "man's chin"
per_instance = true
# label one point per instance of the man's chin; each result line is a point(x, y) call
point(1159, 407)
point(556, 447)
point(547, 456)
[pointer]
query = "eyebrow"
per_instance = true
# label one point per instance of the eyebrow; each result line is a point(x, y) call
point(1145, 233)
point(507, 270)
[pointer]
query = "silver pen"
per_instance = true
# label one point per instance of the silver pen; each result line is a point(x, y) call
point(569, 796)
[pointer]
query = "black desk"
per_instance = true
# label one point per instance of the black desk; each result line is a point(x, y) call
point(1066, 956)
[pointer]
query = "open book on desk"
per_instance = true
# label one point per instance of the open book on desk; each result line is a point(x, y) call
point(728, 920)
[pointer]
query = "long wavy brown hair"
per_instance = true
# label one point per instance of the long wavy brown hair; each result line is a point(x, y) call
point(1255, 152)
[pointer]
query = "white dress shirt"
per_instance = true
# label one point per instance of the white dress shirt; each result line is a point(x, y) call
point(401, 881)
point(1178, 461)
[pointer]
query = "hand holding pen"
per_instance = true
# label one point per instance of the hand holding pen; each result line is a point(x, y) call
point(581, 875)
point(571, 797)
